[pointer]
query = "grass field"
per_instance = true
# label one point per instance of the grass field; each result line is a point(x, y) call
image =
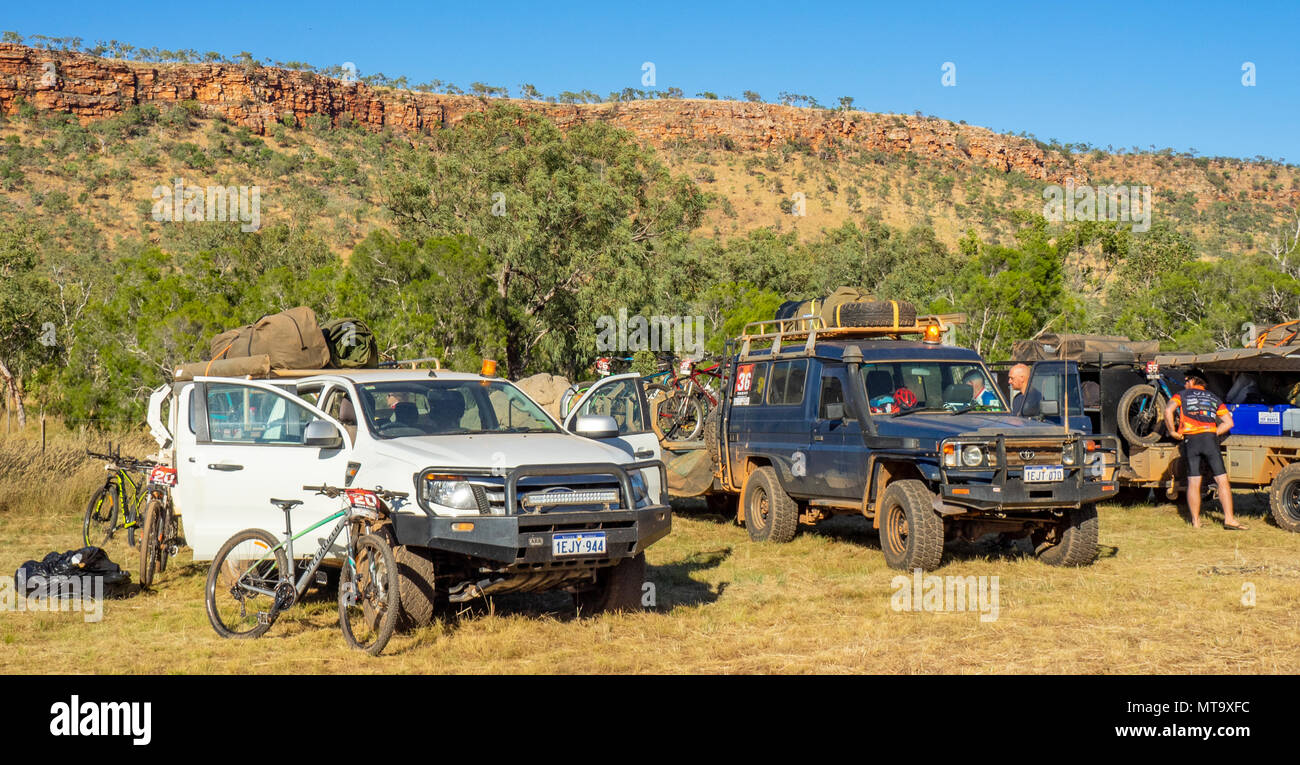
point(1162, 598)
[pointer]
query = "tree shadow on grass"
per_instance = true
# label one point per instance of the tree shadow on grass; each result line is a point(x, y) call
point(674, 585)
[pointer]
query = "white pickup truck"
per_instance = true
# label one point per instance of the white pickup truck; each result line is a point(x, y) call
point(503, 497)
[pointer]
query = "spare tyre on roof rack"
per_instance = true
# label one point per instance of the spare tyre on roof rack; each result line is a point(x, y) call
point(875, 313)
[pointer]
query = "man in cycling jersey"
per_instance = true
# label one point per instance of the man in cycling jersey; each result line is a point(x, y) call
point(1204, 419)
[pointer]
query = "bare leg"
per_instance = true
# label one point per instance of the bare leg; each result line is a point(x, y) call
point(1194, 499)
point(1225, 499)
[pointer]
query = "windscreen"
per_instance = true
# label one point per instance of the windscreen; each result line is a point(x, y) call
point(450, 407)
point(942, 386)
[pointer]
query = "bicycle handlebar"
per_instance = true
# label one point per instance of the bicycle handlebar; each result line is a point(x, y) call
point(334, 491)
point(124, 463)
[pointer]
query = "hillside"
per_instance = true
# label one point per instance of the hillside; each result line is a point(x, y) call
point(754, 157)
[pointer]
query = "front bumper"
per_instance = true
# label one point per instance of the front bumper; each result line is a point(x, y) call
point(1003, 487)
point(523, 541)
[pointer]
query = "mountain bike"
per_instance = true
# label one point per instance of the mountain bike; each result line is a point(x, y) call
point(160, 530)
point(688, 397)
point(253, 580)
point(1141, 409)
point(653, 383)
point(119, 502)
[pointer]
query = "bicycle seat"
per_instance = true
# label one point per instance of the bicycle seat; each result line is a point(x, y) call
point(286, 504)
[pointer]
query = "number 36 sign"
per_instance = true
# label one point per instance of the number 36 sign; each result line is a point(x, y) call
point(744, 381)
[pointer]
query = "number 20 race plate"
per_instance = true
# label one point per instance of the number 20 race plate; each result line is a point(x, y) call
point(579, 543)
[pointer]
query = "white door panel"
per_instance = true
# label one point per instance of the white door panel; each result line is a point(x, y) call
point(252, 455)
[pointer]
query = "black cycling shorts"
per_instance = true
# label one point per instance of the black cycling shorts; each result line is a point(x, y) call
point(1203, 446)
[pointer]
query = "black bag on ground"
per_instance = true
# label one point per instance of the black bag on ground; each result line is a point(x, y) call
point(49, 577)
point(351, 344)
point(291, 338)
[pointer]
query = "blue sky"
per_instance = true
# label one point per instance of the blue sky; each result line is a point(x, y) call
point(1121, 74)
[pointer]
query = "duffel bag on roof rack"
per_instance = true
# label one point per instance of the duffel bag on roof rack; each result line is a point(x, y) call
point(292, 339)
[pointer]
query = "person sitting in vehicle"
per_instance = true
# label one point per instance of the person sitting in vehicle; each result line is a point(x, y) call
point(980, 395)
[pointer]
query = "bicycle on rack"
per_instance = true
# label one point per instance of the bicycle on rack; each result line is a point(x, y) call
point(161, 531)
point(253, 579)
point(118, 503)
point(605, 366)
point(1142, 408)
point(688, 397)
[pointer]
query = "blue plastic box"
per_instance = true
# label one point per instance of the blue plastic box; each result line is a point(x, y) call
point(1257, 419)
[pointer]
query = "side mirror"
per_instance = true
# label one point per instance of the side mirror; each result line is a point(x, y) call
point(1050, 408)
point(321, 433)
point(834, 411)
point(596, 426)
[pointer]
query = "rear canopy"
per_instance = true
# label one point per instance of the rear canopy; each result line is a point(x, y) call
point(1053, 347)
point(1284, 359)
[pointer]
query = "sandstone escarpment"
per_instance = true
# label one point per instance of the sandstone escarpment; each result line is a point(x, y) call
point(257, 97)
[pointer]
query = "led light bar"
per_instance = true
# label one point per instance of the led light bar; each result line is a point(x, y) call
point(586, 497)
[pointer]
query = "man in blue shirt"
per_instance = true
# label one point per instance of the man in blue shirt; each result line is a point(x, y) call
point(980, 396)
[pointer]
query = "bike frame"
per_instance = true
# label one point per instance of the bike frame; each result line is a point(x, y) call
point(300, 583)
point(131, 500)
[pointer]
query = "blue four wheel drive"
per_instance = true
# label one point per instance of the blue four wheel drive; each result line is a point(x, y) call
point(908, 432)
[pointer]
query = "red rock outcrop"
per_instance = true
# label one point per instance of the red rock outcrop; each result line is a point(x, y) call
point(256, 97)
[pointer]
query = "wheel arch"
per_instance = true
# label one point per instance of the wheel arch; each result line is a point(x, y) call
point(883, 473)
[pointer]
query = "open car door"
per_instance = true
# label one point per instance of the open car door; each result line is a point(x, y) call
point(623, 398)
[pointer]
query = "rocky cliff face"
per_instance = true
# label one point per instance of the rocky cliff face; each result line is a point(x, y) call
point(256, 97)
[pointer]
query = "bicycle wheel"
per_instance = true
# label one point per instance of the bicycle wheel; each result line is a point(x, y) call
point(687, 413)
point(151, 540)
point(368, 595)
point(167, 535)
point(101, 517)
point(248, 566)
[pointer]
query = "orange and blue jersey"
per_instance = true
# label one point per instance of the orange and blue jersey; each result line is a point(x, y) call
point(1200, 411)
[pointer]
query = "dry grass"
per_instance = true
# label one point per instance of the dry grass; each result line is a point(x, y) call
point(1162, 598)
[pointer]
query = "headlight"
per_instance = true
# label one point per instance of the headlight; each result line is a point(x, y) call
point(1067, 456)
point(1091, 458)
point(972, 456)
point(458, 495)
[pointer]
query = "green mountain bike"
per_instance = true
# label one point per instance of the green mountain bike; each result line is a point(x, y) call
point(119, 503)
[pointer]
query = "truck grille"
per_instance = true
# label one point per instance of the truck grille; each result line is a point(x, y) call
point(1022, 454)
